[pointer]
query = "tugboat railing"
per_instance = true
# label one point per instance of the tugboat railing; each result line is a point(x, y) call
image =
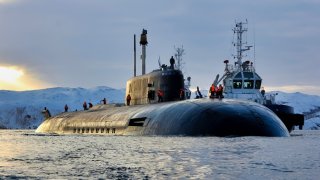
point(231, 68)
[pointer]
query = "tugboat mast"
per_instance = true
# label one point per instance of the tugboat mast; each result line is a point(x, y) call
point(239, 30)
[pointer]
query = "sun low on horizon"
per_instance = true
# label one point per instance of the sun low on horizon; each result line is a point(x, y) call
point(16, 78)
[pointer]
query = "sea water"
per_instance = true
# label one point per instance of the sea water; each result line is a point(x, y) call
point(27, 155)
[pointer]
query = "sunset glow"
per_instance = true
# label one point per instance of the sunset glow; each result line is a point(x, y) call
point(15, 78)
point(10, 75)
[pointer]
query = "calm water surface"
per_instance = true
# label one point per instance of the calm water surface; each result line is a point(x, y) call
point(27, 155)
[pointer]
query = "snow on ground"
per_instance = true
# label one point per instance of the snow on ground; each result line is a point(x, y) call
point(21, 110)
point(312, 124)
point(301, 102)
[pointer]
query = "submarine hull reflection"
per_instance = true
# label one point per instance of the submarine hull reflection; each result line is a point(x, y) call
point(197, 117)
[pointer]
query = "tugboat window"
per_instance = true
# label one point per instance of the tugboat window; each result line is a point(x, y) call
point(239, 75)
point(248, 84)
point(258, 84)
point(248, 74)
point(237, 84)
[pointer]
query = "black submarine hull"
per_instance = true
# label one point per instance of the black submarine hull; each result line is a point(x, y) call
point(197, 117)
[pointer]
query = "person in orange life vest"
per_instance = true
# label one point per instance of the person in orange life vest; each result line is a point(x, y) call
point(128, 100)
point(160, 95)
point(212, 91)
point(219, 91)
point(182, 94)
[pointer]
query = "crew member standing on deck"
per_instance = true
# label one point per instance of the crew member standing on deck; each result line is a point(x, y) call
point(182, 94)
point(172, 61)
point(90, 105)
point(85, 107)
point(212, 91)
point(263, 92)
point(219, 91)
point(128, 100)
point(66, 108)
point(46, 113)
point(160, 95)
point(198, 93)
point(104, 101)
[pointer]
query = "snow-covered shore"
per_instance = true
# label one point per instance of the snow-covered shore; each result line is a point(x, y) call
point(22, 110)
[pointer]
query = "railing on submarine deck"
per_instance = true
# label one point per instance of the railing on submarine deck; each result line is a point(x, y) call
point(145, 100)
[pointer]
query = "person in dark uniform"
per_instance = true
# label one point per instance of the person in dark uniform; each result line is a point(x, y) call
point(150, 96)
point(46, 113)
point(172, 61)
point(104, 101)
point(128, 100)
point(85, 107)
point(198, 93)
point(66, 108)
point(90, 105)
point(263, 92)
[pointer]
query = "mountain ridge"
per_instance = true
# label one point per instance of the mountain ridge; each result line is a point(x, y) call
point(22, 109)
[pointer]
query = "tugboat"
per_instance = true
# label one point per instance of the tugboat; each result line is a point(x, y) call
point(241, 81)
point(157, 104)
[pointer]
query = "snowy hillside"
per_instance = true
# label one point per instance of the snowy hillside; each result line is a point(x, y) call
point(303, 104)
point(23, 109)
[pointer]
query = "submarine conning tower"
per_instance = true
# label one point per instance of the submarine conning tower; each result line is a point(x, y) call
point(143, 89)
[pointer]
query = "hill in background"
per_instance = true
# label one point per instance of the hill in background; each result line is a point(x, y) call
point(22, 110)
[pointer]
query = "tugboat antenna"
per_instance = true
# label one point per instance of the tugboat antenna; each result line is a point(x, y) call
point(254, 47)
point(239, 30)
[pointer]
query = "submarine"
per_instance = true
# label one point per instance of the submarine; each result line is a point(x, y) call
point(241, 81)
point(174, 113)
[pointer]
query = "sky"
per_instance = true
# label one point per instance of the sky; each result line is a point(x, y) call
point(88, 43)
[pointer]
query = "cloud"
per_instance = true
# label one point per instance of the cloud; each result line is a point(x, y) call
point(88, 43)
point(7, 1)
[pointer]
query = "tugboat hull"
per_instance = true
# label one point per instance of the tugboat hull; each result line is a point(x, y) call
point(287, 116)
point(199, 117)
